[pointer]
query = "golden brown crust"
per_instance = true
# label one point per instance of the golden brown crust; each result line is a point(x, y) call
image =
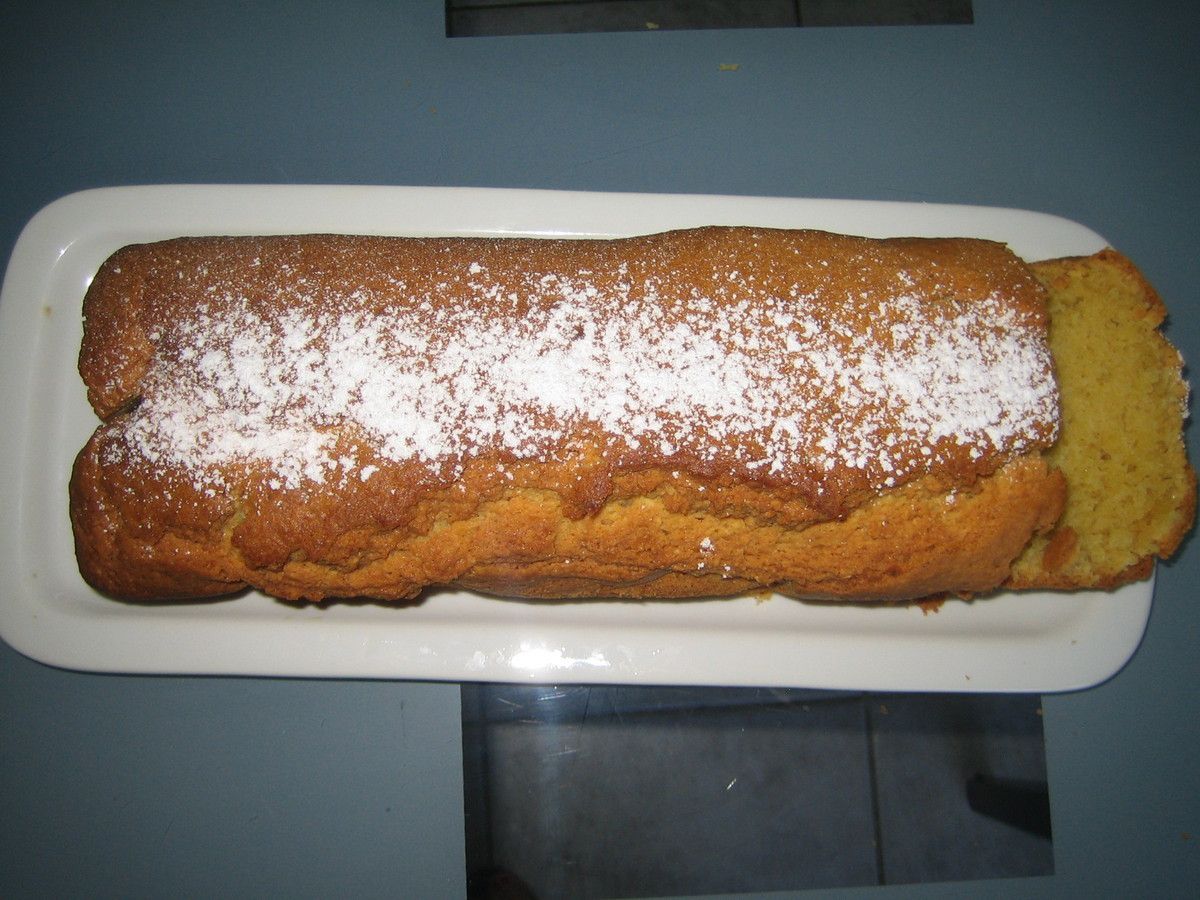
point(140, 294)
point(516, 540)
point(127, 550)
point(116, 351)
point(588, 512)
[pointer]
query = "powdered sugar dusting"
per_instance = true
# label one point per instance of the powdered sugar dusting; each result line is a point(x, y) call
point(765, 381)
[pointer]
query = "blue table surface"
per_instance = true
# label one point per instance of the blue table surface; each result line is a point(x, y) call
point(118, 785)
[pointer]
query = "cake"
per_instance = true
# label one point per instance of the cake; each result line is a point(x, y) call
point(698, 413)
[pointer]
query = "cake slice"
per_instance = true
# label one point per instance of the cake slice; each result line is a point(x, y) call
point(1131, 492)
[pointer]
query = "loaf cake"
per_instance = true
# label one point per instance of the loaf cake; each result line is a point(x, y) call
point(697, 413)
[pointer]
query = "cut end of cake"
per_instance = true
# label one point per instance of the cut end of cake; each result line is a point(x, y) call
point(1131, 494)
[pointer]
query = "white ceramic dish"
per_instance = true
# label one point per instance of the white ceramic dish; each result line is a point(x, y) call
point(1031, 642)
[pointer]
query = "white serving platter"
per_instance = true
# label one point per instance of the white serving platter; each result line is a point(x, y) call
point(1013, 642)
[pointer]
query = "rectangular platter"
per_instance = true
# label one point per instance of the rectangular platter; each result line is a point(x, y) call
point(1010, 642)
